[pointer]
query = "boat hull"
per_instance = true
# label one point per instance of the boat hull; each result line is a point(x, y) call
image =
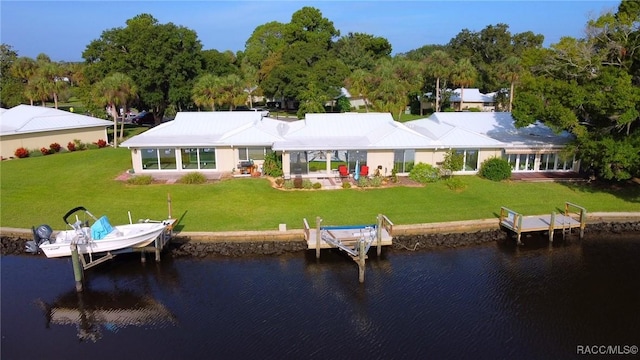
point(122, 237)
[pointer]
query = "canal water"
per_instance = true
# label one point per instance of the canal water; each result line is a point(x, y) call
point(494, 301)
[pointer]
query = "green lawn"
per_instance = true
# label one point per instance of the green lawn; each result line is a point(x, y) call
point(40, 190)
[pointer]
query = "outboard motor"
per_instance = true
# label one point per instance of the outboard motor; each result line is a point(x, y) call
point(41, 234)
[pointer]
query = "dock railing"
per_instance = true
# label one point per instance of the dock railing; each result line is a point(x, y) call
point(579, 212)
point(511, 219)
point(387, 225)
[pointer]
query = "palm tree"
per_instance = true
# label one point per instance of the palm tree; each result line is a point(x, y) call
point(232, 93)
point(439, 65)
point(392, 82)
point(24, 68)
point(114, 90)
point(125, 92)
point(464, 74)
point(206, 91)
point(510, 71)
point(357, 83)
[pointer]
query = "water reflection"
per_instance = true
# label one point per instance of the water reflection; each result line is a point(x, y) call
point(93, 312)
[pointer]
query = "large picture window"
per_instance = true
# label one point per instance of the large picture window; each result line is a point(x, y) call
point(403, 160)
point(199, 158)
point(470, 159)
point(252, 153)
point(158, 159)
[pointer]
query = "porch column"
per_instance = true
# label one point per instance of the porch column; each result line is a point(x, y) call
point(327, 156)
point(286, 165)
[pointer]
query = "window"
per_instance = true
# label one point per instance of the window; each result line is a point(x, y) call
point(252, 153)
point(547, 162)
point(470, 159)
point(149, 159)
point(199, 158)
point(158, 159)
point(403, 160)
point(298, 163)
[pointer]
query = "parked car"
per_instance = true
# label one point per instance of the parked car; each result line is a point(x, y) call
point(264, 112)
point(144, 118)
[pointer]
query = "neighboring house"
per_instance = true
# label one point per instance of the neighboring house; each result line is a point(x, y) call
point(217, 142)
point(473, 98)
point(357, 102)
point(35, 127)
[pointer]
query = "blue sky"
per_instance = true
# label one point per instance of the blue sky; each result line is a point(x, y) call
point(63, 29)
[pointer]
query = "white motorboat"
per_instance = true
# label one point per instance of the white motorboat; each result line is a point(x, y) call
point(100, 237)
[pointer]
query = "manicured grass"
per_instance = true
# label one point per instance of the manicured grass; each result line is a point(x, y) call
point(40, 190)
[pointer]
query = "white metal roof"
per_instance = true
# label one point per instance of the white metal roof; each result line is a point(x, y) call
point(470, 95)
point(350, 131)
point(210, 128)
point(32, 119)
point(486, 129)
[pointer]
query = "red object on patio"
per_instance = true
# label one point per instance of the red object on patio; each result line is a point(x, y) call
point(364, 170)
point(342, 169)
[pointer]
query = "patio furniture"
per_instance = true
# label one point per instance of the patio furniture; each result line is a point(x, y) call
point(343, 171)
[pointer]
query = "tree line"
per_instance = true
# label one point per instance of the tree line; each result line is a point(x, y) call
point(587, 86)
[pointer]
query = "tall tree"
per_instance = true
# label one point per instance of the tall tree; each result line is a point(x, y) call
point(510, 71)
point(361, 51)
point(357, 83)
point(206, 91)
point(463, 74)
point(162, 59)
point(438, 65)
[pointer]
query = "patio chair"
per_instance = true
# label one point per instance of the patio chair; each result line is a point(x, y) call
point(364, 170)
point(343, 171)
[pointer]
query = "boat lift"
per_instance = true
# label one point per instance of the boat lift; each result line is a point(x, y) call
point(355, 240)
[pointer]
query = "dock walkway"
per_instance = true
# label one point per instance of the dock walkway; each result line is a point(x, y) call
point(519, 223)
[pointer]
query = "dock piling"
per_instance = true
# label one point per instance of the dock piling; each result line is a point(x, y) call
point(318, 236)
point(77, 268)
point(552, 224)
point(379, 234)
point(362, 256)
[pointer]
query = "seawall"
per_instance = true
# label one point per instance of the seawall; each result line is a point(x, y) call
point(405, 237)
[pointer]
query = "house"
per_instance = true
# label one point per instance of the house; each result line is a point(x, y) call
point(356, 102)
point(470, 98)
point(34, 127)
point(220, 142)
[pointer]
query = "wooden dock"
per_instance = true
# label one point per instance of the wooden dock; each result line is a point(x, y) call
point(574, 217)
point(355, 240)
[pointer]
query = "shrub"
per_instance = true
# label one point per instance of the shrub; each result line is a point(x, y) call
point(307, 184)
point(272, 165)
point(424, 173)
point(79, 145)
point(279, 181)
point(140, 180)
point(317, 186)
point(193, 178)
point(376, 181)
point(21, 153)
point(495, 169)
point(453, 161)
point(363, 181)
point(45, 151)
point(101, 143)
point(55, 147)
point(71, 146)
point(346, 185)
point(288, 184)
point(455, 183)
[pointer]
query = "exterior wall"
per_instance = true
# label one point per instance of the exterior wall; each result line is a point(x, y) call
point(485, 154)
point(383, 158)
point(32, 141)
point(286, 164)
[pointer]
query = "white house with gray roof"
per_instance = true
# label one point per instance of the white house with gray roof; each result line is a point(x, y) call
point(221, 142)
point(35, 127)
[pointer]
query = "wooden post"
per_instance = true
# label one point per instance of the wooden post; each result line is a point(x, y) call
point(77, 268)
point(318, 236)
point(552, 225)
point(143, 257)
point(169, 204)
point(159, 243)
point(519, 229)
point(379, 234)
point(361, 260)
point(583, 221)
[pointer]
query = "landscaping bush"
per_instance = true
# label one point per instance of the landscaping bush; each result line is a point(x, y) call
point(288, 184)
point(317, 186)
point(140, 180)
point(193, 178)
point(495, 169)
point(21, 153)
point(363, 182)
point(71, 146)
point(45, 151)
point(101, 143)
point(376, 181)
point(307, 184)
point(279, 181)
point(272, 165)
point(55, 147)
point(297, 183)
point(424, 173)
point(455, 183)
point(346, 185)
